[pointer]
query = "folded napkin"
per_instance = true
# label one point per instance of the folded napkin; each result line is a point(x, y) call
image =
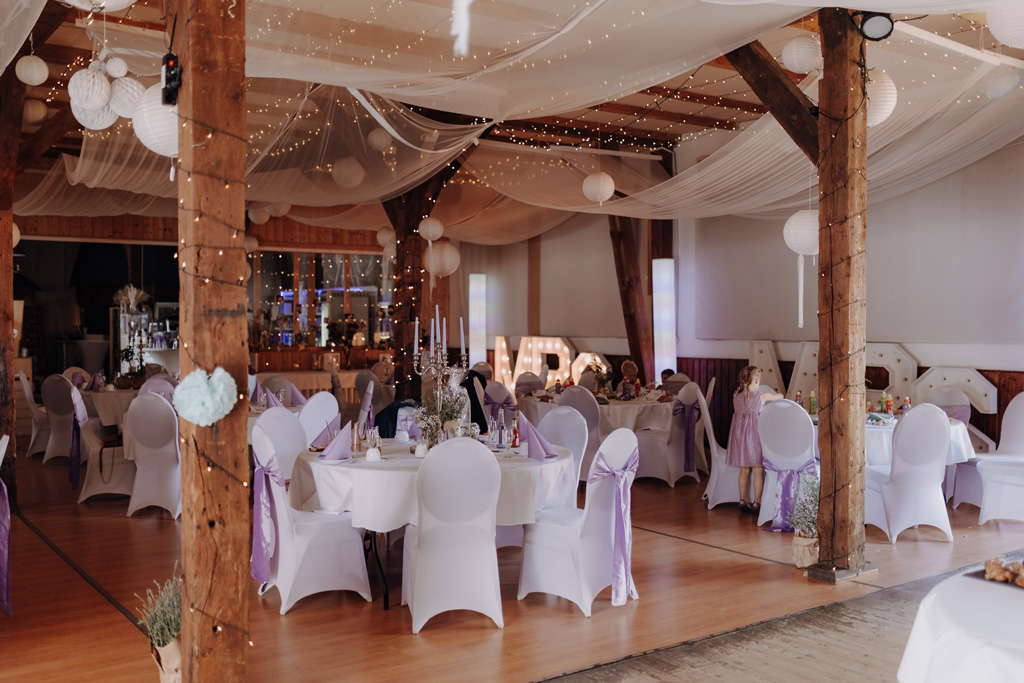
point(258, 393)
point(340, 447)
point(324, 437)
point(94, 382)
point(297, 398)
point(272, 401)
point(77, 380)
point(537, 447)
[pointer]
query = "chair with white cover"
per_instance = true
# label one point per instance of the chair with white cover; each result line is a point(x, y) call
point(787, 445)
point(575, 554)
point(527, 383)
point(908, 492)
point(564, 426)
point(584, 402)
point(156, 385)
point(170, 379)
point(317, 414)
point(278, 385)
point(449, 560)
point(954, 403)
point(498, 401)
point(1003, 486)
point(670, 454)
point(70, 373)
point(151, 439)
point(60, 411)
point(287, 434)
point(108, 471)
point(365, 378)
point(382, 370)
point(703, 460)
point(40, 422)
point(300, 552)
point(588, 381)
point(545, 371)
point(723, 481)
point(485, 370)
point(968, 487)
point(675, 383)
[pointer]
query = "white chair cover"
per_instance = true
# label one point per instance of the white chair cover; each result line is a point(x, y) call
point(584, 402)
point(317, 414)
point(675, 383)
point(497, 398)
point(151, 436)
point(1003, 485)
point(909, 491)
point(450, 560)
point(787, 444)
point(723, 482)
point(576, 554)
point(968, 487)
point(69, 374)
point(300, 552)
point(40, 422)
point(663, 452)
point(109, 471)
point(286, 433)
point(156, 385)
point(544, 370)
point(528, 382)
point(564, 426)
point(60, 411)
point(167, 377)
point(382, 371)
point(277, 384)
point(365, 378)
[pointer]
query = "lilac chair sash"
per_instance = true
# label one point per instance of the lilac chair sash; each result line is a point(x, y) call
point(524, 387)
point(785, 492)
point(622, 548)
point(264, 536)
point(690, 413)
point(507, 404)
point(368, 406)
point(962, 413)
point(5, 551)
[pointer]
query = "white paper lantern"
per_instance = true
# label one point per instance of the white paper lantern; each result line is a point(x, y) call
point(17, 234)
point(31, 70)
point(258, 216)
point(881, 94)
point(598, 187)
point(278, 210)
point(431, 229)
point(1002, 84)
point(89, 89)
point(124, 95)
point(348, 172)
point(97, 65)
point(94, 119)
point(801, 232)
point(101, 5)
point(251, 243)
point(390, 251)
point(248, 272)
point(441, 259)
point(1007, 24)
point(34, 112)
point(116, 67)
point(156, 124)
point(802, 55)
point(386, 236)
point(379, 139)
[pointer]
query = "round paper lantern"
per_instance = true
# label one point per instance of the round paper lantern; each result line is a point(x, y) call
point(155, 124)
point(441, 258)
point(347, 172)
point(881, 94)
point(431, 229)
point(1002, 84)
point(97, 65)
point(1007, 24)
point(248, 272)
point(101, 5)
point(31, 70)
point(116, 67)
point(379, 139)
point(124, 95)
point(251, 243)
point(258, 216)
point(17, 234)
point(89, 89)
point(801, 232)
point(386, 236)
point(34, 112)
point(390, 251)
point(802, 55)
point(278, 210)
point(94, 119)
point(598, 187)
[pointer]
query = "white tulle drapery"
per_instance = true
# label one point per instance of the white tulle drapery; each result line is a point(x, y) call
point(18, 18)
point(894, 6)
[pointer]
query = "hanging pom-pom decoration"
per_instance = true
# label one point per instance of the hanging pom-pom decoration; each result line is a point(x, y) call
point(205, 400)
point(460, 27)
point(801, 235)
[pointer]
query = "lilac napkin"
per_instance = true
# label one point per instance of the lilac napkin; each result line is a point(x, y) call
point(77, 380)
point(297, 398)
point(537, 446)
point(94, 382)
point(324, 437)
point(340, 447)
point(272, 401)
point(257, 393)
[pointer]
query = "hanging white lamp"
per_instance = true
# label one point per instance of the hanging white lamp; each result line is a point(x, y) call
point(258, 216)
point(348, 172)
point(379, 139)
point(34, 112)
point(431, 229)
point(156, 124)
point(598, 187)
point(802, 55)
point(124, 95)
point(881, 95)
point(801, 235)
point(31, 70)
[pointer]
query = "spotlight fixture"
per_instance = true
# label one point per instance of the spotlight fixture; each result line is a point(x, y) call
point(875, 25)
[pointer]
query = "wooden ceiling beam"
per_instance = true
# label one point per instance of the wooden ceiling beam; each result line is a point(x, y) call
point(43, 139)
point(724, 63)
point(62, 54)
point(640, 134)
point(545, 132)
point(663, 115)
point(710, 100)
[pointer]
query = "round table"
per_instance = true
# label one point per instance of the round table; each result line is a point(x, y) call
point(633, 415)
point(878, 444)
point(382, 495)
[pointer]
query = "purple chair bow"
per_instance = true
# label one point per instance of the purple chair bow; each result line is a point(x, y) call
point(5, 551)
point(958, 412)
point(622, 549)
point(264, 535)
point(690, 413)
point(507, 404)
point(785, 492)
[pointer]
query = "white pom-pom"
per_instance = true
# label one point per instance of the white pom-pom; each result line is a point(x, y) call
point(89, 89)
point(204, 401)
point(124, 95)
point(94, 119)
point(116, 67)
point(98, 66)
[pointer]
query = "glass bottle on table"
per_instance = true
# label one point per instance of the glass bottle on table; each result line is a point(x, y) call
point(812, 404)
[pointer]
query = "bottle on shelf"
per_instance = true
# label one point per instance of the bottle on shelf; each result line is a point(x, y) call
point(812, 404)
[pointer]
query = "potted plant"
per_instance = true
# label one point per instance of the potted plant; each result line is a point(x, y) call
point(804, 520)
point(161, 615)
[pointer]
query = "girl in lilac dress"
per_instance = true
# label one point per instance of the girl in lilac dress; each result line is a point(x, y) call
point(744, 449)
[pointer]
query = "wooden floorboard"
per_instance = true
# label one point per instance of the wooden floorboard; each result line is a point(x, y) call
point(699, 573)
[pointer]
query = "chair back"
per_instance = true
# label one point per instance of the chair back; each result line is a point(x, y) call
point(674, 383)
point(543, 374)
point(787, 434)
point(711, 390)
point(4, 440)
point(564, 426)
point(485, 370)
point(29, 398)
point(153, 424)
point(318, 412)
point(584, 402)
point(277, 384)
point(155, 385)
point(686, 395)
point(599, 508)
point(526, 383)
point(919, 446)
point(365, 378)
point(287, 434)
point(709, 429)
point(69, 374)
point(952, 401)
point(262, 451)
point(457, 487)
point(382, 370)
point(587, 381)
point(496, 393)
point(1011, 433)
point(167, 377)
point(57, 400)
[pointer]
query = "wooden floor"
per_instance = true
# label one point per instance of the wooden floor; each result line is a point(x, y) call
point(698, 573)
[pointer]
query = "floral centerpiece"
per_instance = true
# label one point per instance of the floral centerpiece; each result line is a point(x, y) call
point(600, 376)
point(129, 297)
point(161, 615)
point(440, 416)
point(804, 520)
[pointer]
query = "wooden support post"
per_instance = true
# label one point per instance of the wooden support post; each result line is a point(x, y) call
point(12, 94)
point(216, 519)
point(312, 338)
point(533, 277)
point(639, 334)
point(842, 308)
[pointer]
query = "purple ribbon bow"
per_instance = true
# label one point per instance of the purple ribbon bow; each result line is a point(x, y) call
point(264, 536)
point(5, 551)
point(785, 492)
point(690, 413)
point(507, 404)
point(622, 552)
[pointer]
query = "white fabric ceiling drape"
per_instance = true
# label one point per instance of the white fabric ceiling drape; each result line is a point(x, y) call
point(19, 16)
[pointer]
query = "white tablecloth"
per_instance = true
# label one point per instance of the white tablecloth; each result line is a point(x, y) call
point(307, 381)
point(878, 444)
point(165, 357)
point(966, 629)
point(382, 495)
point(109, 406)
point(633, 415)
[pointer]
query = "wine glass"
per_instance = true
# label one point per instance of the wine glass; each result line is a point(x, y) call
point(364, 429)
